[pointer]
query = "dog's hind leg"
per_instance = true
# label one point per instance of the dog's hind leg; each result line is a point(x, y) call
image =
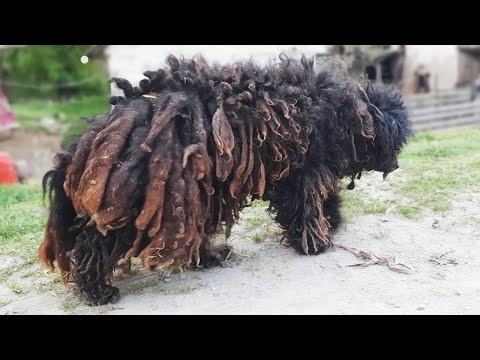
point(299, 202)
point(94, 257)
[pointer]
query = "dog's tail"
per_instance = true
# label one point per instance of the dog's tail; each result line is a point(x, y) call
point(58, 238)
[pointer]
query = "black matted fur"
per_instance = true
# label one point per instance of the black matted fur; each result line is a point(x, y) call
point(175, 160)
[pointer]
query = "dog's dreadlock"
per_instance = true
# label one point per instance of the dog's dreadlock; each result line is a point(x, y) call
point(176, 158)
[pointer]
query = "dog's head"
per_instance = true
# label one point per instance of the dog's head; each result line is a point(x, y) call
point(392, 128)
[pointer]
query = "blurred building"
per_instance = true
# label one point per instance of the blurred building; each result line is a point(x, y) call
point(450, 66)
point(443, 67)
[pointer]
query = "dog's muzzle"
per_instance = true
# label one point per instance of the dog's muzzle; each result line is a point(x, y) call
point(392, 169)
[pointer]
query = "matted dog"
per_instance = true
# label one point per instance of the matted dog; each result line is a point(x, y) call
point(176, 159)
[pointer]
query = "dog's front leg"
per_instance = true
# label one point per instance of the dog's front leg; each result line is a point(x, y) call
point(299, 202)
point(213, 255)
point(93, 268)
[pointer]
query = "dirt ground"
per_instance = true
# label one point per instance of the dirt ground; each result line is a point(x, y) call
point(269, 278)
point(266, 277)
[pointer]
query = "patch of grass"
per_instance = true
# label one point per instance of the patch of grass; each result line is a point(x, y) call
point(256, 217)
point(22, 225)
point(6, 273)
point(68, 113)
point(434, 167)
point(24, 266)
point(359, 203)
point(380, 235)
point(17, 194)
point(22, 222)
point(17, 289)
point(243, 254)
point(188, 289)
point(263, 234)
point(139, 286)
point(258, 237)
point(70, 305)
point(258, 203)
point(48, 284)
point(255, 221)
point(409, 212)
point(30, 273)
point(4, 302)
point(465, 220)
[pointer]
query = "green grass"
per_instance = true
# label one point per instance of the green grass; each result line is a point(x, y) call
point(258, 237)
point(31, 273)
point(258, 203)
point(410, 212)
point(434, 167)
point(70, 305)
point(438, 165)
point(4, 302)
point(358, 203)
point(257, 215)
point(140, 285)
point(259, 221)
point(188, 289)
point(17, 289)
point(22, 223)
point(69, 113)
point(47, 283)
point(380, 235)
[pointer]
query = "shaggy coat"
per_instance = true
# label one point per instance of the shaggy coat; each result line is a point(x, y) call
point(176, 159)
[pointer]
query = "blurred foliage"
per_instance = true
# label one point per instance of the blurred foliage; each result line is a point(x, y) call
point(71, 114)
point(51, 72)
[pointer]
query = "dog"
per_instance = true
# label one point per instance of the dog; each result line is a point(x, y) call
point(178, 156)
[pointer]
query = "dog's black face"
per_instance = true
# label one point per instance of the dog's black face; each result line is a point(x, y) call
point(392, 128)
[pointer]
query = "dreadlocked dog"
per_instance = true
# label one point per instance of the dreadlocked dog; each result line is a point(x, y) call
point(175, 160)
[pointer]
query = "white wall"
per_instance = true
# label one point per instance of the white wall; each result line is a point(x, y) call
point(130, 61)
point(440, 60)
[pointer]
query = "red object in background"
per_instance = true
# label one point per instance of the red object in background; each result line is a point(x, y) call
point(8, 171)
point(7, 119)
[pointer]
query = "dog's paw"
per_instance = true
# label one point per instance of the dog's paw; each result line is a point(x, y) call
point(320, 247)
point(309, 243)
point(101, 294)
point(211, 255)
